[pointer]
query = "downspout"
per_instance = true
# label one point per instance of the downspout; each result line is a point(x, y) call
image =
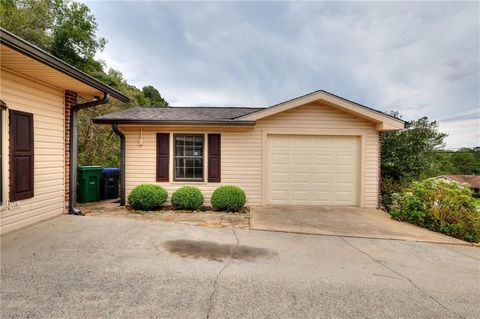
point(73, 149)
point(122, 162)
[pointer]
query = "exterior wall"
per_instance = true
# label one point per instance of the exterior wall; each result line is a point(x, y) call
point(47, 105)
point(242, 149)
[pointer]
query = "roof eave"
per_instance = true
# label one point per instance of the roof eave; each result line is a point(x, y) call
point(166, 122)
point(18, 44)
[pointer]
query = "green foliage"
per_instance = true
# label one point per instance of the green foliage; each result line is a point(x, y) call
point(464, 161)
point(68, 30)
point(446, 207)
point(407, 155)
point(64, 28)
point(151, 97)
point(147, 197)
point(187, 197)
point(228, 198)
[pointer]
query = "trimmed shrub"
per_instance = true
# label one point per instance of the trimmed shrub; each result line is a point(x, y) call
point(446, 207)
point(147, 197)
point(187, 197)
point(228, 198)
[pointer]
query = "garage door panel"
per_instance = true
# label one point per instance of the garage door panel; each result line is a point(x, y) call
point(300, 196)
point(323, 178)
point(303, 159)
point(319, 159)
point(280, 177)
point(279, 196)
point(318, 170)
point(279, 159)
point(301, 178)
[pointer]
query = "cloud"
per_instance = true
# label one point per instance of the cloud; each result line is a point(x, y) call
point(420, 58)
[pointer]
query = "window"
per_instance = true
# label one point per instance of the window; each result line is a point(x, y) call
point(188, 161)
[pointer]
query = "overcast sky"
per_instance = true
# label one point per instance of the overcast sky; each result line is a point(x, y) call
point(421, 59)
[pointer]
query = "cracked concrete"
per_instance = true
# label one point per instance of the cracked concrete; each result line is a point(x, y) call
point(217, 277)
point(403, 276)
point(94, 267)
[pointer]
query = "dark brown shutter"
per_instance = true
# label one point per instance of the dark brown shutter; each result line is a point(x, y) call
point(163, 147)
point(21, 155)
point(214, 165)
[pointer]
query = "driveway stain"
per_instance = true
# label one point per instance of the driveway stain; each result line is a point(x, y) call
point(216, 252)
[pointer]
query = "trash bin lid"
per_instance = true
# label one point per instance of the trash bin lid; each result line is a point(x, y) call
point(89, 168)
point(111, 170)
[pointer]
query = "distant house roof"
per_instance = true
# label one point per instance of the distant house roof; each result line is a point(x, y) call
point(179, 115)
point(472, 180)
point(23, 57)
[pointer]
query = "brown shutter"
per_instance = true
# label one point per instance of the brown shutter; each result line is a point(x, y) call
point(163, 147)
point(21, 155)
point(214, 152)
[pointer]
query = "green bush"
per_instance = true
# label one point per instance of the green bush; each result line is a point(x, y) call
point(442, 206)
point(187, 197)
point(228, 198)
point(147, 197)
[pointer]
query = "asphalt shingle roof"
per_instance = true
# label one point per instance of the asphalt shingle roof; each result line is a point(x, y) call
point(178, 114)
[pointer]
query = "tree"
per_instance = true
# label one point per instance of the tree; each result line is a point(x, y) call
point(408, 155)
point(153, 96)
point(30, 19)
point(74, 36)
point(64, 28)
point(465, 163)
point(68, 30)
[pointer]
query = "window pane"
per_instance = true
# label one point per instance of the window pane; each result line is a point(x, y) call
point(178, 150)
point(188, 140)
point(198, 172)
point(188, 162)
point(179, 162)
point(189, 172)
point(198, 162)
point(188, 151)
point(198, 140)
point(179, 140)
point(197, 152)
point(179, 172)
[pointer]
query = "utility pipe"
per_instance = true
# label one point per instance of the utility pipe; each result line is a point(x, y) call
point(73, 149)
point(122, 162)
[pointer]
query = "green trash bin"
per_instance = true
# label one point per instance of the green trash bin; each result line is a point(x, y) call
point(88, 187)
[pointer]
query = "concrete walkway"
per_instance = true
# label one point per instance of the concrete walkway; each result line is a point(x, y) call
point(95, 267)
point(341, 221)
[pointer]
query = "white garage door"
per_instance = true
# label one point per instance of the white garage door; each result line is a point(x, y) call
point(312, 170)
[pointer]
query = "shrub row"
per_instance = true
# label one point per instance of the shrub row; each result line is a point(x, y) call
point(442, 206)
point(149, 197)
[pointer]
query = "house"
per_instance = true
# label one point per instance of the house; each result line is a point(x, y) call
point(473, 181)
point(38, 97)
point(316, 149)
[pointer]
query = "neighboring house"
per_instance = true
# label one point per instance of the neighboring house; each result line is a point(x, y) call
point(473, 181)
point(317, 149)
point(38, 96)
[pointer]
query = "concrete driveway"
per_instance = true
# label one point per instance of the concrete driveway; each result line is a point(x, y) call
point(342, 221)
point(94, 267)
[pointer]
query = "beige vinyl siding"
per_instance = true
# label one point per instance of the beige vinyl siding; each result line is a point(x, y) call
point(242, 149)
point(240, 161)
point(47, 105)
